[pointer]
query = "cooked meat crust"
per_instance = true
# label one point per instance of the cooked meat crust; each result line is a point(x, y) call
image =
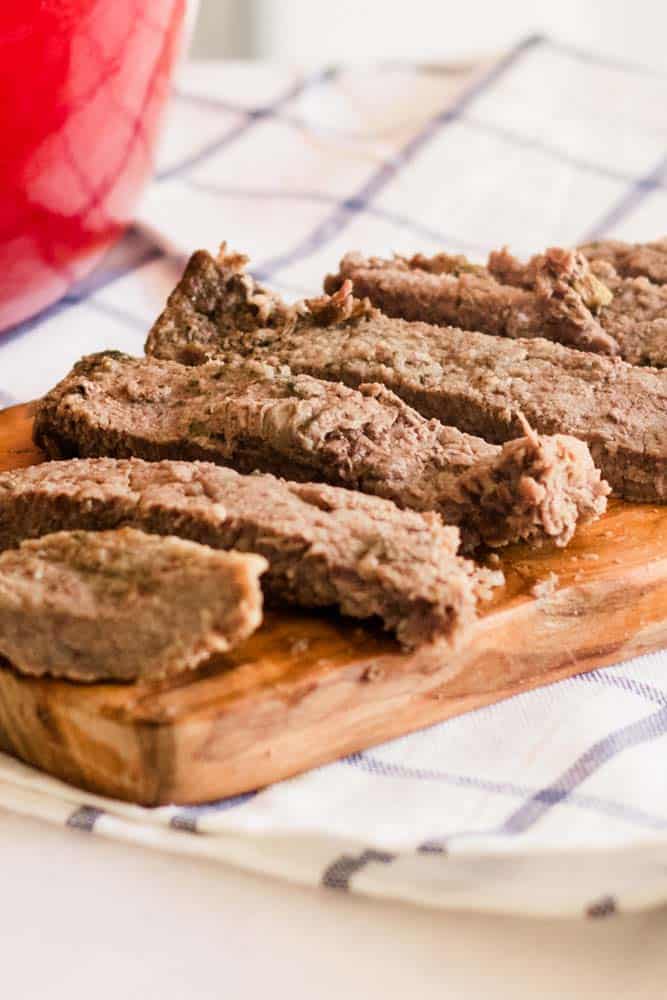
point(251, 416)
point(324, 546)
point(479, 383)
point(123, 605)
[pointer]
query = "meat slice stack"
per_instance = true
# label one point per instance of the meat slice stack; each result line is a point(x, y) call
point(483, 385)
point(348, 451)
point(559, 295)
point(325, 547)
point(555, 296)
point(250, 416)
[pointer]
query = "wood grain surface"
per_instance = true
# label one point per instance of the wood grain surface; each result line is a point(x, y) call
point(308, 688)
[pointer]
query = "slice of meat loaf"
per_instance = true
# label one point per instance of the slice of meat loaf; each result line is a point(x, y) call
point(218, 294)
point(632, 260)
point(123, 605)
point(325, 546)
point(559, 297)
point(253, 416)
point(476, 382)
point(556, 295)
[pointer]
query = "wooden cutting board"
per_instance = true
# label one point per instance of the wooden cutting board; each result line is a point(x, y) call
point(308, 688)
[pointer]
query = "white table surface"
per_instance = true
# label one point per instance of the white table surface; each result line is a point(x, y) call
point(85, 918)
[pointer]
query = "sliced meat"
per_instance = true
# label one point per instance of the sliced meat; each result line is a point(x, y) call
point(216, 294)
point(632, 260)
point(555, 296)
point(251, 416)
point(478, 383)
point(325, 546)
point(123, 605)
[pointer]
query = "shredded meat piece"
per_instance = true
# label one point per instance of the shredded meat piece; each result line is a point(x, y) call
point(632, 260)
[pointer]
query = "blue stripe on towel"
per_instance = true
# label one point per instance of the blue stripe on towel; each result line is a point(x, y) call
point(188, 816)
point(343, 214)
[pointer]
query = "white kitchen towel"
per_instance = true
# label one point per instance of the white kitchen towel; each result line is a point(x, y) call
point(554, 801)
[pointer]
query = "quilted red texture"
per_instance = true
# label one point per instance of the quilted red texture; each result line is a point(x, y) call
point(82, 87)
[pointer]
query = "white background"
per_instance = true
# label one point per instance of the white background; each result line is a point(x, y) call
point(86, 918)
point(313, 31)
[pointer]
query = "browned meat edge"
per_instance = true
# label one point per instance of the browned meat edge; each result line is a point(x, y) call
point(476, 382)
point(252, 416)
point(325, 546)
point(123, 605)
